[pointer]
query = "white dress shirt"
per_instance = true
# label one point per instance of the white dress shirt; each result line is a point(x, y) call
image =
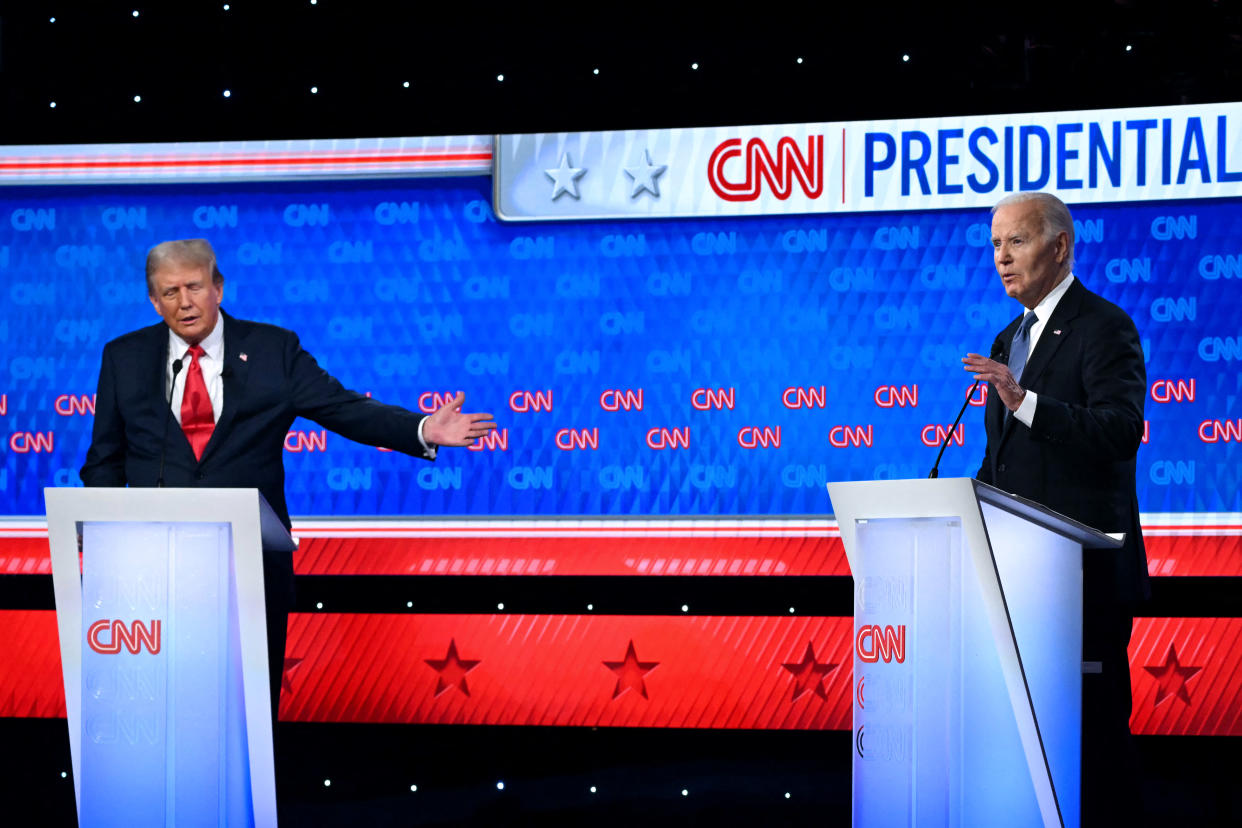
point(1026, 410)
point(212, 363)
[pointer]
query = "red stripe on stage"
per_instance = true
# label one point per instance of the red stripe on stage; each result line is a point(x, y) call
point(31, 685)
point(1186, 675)
point(572, 556)
point(710, 672)
point(617, 551)
point(571, 670)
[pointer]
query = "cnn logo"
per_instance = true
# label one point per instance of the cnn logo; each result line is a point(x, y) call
point(107, 636)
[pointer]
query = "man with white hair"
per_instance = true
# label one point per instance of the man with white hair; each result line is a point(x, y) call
point(1064, 420)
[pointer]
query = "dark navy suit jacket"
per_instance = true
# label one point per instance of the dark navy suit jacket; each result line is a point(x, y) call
point(264, 390)
point(1078, 458)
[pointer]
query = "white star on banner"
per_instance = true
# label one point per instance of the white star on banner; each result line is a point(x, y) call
point(645, 175)
point(565, 178)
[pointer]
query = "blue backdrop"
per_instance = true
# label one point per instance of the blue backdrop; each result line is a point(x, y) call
point(406, 287)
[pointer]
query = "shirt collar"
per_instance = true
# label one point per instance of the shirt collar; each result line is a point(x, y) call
point(213, 344)
point(1049, 303)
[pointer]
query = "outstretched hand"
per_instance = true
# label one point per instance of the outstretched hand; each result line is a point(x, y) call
point(448, 426)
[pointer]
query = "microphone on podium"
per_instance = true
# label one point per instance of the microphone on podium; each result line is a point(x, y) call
point(176, 369)
point(998, 354)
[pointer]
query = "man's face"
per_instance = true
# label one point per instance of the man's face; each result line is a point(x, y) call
point(188, 300)
point(1029, 264)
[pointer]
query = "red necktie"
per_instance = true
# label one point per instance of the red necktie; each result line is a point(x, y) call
point(197, 418)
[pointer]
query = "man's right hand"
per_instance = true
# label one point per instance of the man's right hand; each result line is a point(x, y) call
point(448, 426)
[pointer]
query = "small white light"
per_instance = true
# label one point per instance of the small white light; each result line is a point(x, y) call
point(685, 792)
point(500, 606)
point(409, 604)
point(137, 99)
point(1129, 47)
point(799, 61)
point(787, 794)
point(694, 66)
point(226, 6)
point(319, 605)
point(314, 90)
point(791, 609)
point(500, 786)
point(685, 607)
point(595, 71)
point(327, 783)
point(65, 775)
point(52, 104)
point(590, 607)
point(905, 58)
point(500, 78)
point(314, 2)
point(406, 84)
point(51, 20)
point(592, 787)
point(414, 789)
point(135, 12)
point(228, 94)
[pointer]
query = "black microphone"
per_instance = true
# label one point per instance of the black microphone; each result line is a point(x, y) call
point(176, 368)
point(998, 354)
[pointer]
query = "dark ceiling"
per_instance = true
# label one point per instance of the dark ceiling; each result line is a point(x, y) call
point(180, 57)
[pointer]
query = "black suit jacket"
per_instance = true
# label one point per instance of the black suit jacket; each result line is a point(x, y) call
point(1078, 457)
point(268, 381)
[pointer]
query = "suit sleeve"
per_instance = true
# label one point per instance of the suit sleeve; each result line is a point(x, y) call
point(1109, 425)
point(317, 395)
point(105, 460)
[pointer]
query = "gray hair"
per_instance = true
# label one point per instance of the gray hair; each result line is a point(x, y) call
point(190, 253)
point(1053, 214)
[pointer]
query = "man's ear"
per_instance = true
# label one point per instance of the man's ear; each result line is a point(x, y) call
point(1062, 247)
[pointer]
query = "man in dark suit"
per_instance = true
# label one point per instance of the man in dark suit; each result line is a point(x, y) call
point(1064, 420)
point(224, 424)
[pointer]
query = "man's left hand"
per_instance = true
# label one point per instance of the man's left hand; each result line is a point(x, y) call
point(997, 373)
point(448, 426)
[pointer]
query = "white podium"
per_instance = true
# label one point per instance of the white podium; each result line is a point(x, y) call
point(967, 654)
point(163, 644)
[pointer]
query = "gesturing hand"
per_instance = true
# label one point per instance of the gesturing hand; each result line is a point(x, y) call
point(997, 373)
point(448, 426)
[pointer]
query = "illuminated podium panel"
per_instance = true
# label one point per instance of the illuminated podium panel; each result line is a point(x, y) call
point(163, 644)
point(967, 654)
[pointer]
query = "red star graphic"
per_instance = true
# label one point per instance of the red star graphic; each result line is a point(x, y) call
point(286, 675)
point(1171, 677)
point(809, 674)
point(452, 670)
point(630, 672)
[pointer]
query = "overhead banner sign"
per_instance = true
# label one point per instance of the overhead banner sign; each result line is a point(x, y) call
point(1095, 156)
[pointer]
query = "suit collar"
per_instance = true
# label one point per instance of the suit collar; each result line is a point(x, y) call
point(1057, 330)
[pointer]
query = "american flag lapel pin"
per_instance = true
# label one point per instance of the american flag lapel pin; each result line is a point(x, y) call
point(243, 357)
point(1057, 332)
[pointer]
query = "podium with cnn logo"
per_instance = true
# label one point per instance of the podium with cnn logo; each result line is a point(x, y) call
point(163, 644)
point(967, 654)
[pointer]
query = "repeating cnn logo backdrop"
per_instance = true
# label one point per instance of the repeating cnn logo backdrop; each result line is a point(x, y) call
point(690, 366)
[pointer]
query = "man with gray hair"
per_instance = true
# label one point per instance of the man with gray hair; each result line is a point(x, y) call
point(242, 386)
point(1064, 420)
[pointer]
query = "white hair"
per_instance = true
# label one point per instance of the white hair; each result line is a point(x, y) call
point(1053, 214)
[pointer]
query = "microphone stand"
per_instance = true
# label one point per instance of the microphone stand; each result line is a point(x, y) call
point(176, 369)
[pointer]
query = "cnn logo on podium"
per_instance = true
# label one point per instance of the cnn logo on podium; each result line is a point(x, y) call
point(107, 636)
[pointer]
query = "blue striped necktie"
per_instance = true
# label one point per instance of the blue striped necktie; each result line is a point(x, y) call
point(1021, 346)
